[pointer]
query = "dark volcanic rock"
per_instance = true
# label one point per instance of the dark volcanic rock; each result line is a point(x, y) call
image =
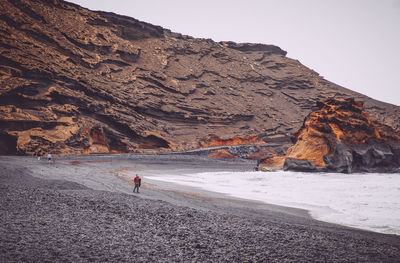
point(74, 81)
point(369, 157)
point(300, 165)
point(341, 160)
point(341, 137)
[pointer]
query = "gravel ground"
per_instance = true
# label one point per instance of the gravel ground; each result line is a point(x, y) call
point(46, 220)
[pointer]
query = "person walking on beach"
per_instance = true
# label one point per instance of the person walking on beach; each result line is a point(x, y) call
point(138, 182)
point(49, 157)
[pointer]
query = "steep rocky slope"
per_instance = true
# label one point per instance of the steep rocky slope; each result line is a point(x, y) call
point(339, 136)
point(73, 81)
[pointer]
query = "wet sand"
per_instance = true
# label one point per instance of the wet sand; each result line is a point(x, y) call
point(83, 209)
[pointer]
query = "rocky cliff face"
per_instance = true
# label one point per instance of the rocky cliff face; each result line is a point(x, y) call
point(339, 136)
point(73, 81)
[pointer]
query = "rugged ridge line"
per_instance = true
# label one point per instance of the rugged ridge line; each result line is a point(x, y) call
point(74, 81)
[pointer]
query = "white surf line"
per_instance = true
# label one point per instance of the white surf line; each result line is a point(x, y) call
point(365, 201)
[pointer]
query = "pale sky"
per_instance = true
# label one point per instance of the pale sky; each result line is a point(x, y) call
point(353, 43)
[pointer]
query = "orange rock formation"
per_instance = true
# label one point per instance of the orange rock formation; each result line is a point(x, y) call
point(341, 137)
point(216, 141)
point(222, 154)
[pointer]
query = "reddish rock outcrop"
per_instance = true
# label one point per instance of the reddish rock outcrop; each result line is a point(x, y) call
point(74, 81)
point(222, 154)
point(339, 136)
point(216, 141)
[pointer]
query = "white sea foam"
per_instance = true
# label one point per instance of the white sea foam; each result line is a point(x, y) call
point(365, 201)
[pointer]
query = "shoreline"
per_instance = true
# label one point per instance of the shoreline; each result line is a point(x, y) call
point(62, 201)
point(331, 198)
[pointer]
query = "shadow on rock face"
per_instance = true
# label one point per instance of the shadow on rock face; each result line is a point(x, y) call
point(8, 144)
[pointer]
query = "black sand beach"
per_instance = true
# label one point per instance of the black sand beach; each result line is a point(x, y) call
point(81, 209)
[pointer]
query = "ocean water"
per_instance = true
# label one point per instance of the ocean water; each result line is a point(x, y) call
point(365, 201)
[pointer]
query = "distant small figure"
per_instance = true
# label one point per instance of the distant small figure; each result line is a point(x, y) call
point(138, 183)
point(257, 167)
point(49, 157)
point(38, 156)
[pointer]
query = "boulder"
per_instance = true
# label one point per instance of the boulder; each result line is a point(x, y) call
point(341, 161)
point(299, 165)
point(375, 158)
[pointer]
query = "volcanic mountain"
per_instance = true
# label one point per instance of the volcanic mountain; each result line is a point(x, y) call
point(74, 81)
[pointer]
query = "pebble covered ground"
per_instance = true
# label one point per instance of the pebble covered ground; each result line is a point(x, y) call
point(59, 221)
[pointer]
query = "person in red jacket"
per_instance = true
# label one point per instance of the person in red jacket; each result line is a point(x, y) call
point(138, 182)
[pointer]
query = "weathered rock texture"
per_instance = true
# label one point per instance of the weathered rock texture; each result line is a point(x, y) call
point(73, 81)
point(341, 137)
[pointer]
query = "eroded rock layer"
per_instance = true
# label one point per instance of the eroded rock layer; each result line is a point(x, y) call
point(73, 81)
point(339, 136)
